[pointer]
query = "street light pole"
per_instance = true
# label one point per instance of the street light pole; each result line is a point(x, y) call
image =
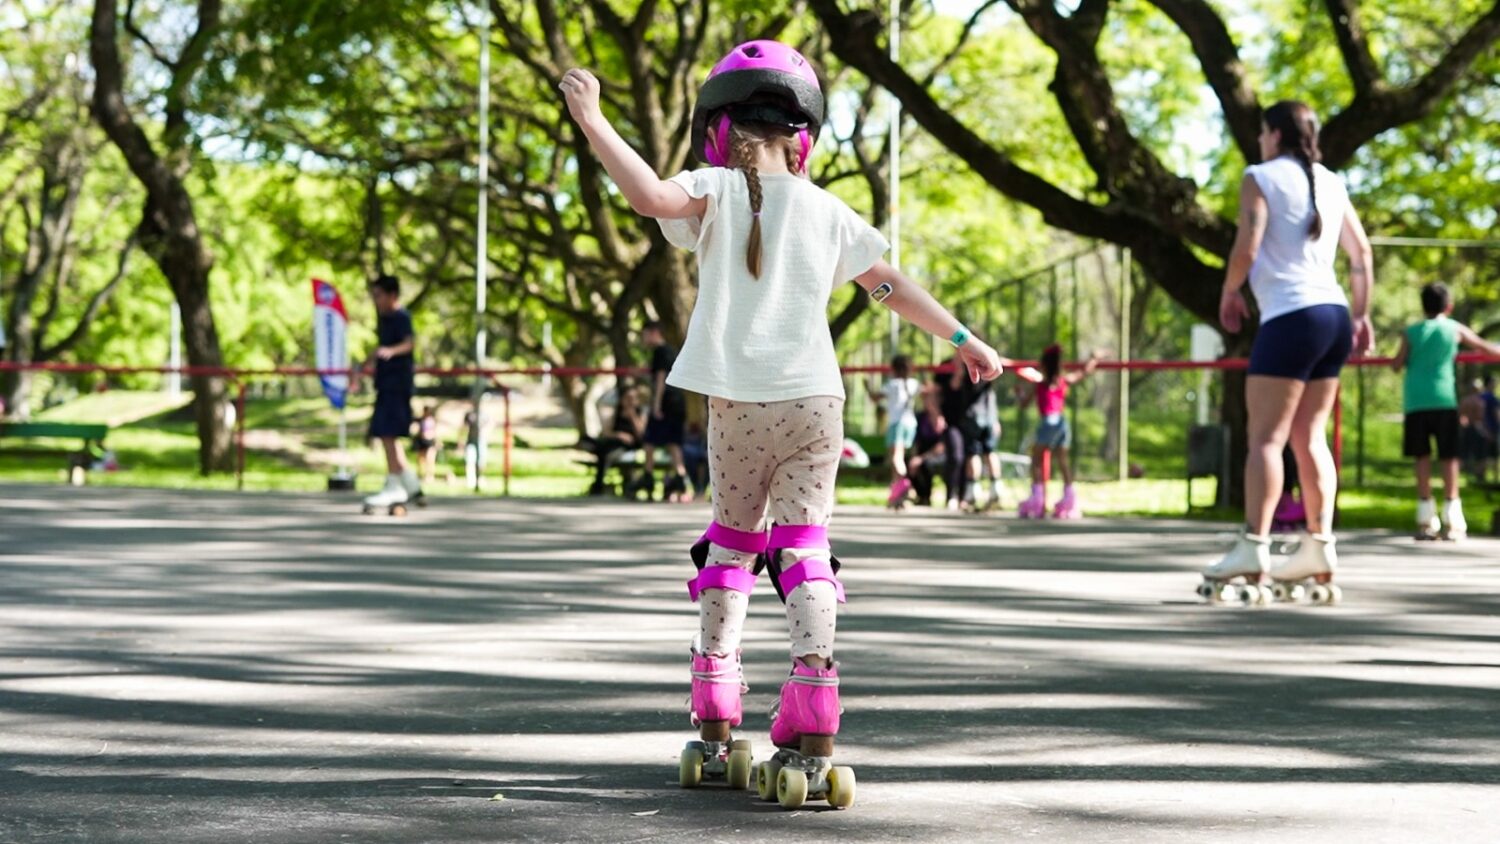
point(894, 176)
point(481, 245)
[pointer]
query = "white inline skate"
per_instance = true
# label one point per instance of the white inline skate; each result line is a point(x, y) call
point(1240, 575)
point(1308, 573)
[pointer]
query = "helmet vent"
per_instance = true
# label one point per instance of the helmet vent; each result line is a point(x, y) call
point(751, 51)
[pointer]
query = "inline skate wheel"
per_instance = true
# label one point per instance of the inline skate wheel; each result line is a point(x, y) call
point(791, 788)
point(841, 787)
point(766, 775)
point(738, 769)
point(690, 766)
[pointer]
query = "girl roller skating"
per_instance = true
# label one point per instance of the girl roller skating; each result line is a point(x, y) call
point(1053, 435)
point(771, 247)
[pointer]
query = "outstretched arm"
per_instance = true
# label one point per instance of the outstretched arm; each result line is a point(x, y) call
point(1088, 369)
point(1469, 337)
point(647, 193)
point(917, 307)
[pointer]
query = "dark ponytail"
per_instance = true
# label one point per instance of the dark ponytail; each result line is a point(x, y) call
point(744, 143)
point(1298, 126)
point(1051, 364)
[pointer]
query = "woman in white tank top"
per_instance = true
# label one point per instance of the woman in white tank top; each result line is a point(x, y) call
point(1294, 216)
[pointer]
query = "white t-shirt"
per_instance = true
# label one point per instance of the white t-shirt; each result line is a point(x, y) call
point(899, 396)
point(1293, 271)
point(766, 339)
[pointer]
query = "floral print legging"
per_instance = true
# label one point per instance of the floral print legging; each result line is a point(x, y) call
point(778, 459)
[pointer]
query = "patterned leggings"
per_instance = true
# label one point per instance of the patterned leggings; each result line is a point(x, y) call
point(780, 457)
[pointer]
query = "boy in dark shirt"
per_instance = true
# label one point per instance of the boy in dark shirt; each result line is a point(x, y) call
point(391, 421)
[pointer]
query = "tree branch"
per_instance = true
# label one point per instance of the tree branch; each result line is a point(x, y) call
point(1383, 108)
point(1344, 15)
point(96, 302)
point(1220, 60)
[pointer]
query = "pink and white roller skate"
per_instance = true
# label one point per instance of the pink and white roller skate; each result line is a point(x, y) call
point(803, 725)
point(1067, 506)
point(1035, 507)
point(718, 683)
point(899, 488)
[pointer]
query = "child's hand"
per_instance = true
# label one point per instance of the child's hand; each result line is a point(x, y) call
point(581, 90)
point(982, 362)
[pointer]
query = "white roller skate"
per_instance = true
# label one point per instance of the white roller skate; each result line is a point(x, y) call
point(413, 485)
point(1035, 507)
point(1240, 575)
point(392, 497)
point(1428, 526)
point(1455, 527)
point(1308, 573)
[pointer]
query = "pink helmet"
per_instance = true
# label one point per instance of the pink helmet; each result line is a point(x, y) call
point(758, 82)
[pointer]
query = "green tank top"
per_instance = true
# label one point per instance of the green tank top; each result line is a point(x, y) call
point(1431, 382)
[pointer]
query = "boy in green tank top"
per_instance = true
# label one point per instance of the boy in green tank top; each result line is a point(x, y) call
point(1430, 401)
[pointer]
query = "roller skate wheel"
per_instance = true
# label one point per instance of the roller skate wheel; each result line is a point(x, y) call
point(1267, 594)
point(1206, 591)
point(1335, 594)
point(690, 766)
point(740, 744)
point(738, 769)
point(398, 509)
point(1318, 594)
point(1246, 594)
point(766, 775)
point(841, 787)
point(1280, 592)
point(367, 510)
point(791, 788)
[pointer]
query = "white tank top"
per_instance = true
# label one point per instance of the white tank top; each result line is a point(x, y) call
point(1293, 271)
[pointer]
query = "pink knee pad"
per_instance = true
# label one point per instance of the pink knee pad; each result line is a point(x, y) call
point(717, 685)
point(800, 537)
point(809, 705)
point(724, 577)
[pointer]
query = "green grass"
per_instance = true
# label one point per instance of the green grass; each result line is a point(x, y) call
point(302, 435)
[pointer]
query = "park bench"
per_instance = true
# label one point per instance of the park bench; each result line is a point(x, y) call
point(92, 436)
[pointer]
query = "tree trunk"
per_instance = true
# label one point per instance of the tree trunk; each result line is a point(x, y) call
point(168, 230)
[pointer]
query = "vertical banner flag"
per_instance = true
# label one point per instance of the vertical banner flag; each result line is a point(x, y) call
point(330, 351)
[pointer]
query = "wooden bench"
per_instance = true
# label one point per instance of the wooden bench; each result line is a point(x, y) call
point(79, 461)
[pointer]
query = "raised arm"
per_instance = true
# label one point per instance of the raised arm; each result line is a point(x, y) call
point(917, 307)
point(1469, 337)
point(1361, 279)
point(647, 193)
point(1233, 309)
point(1088, 369)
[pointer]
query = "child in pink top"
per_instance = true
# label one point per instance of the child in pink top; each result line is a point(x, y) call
point(1053, 434)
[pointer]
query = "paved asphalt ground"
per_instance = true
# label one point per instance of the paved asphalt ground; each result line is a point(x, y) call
point(196, 667)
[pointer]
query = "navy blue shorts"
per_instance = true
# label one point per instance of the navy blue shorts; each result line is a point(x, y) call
point(1308, 345)
point(392, 416)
